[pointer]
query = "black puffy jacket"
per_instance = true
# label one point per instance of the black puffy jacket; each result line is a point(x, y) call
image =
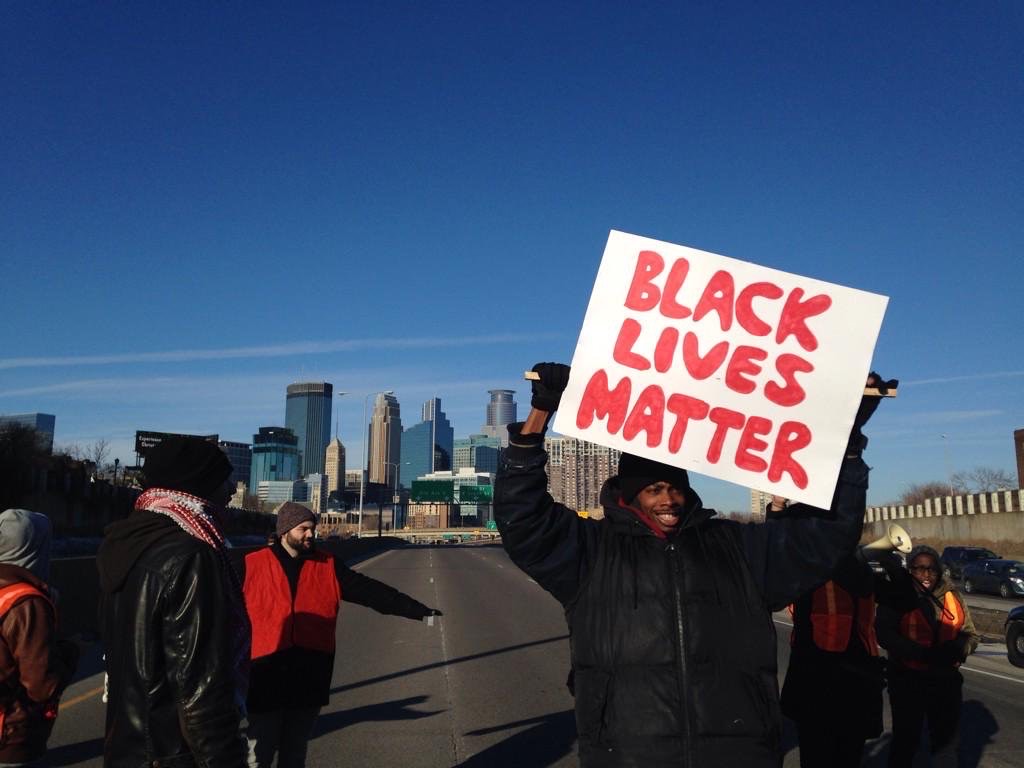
point(168, 644)
point(673, 645)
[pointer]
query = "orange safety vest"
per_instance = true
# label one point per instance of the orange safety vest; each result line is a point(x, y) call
point(915, 626)
point(10, 595)
point(832, 617)
point(278, 621)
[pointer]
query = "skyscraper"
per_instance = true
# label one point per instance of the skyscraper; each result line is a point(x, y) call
point(335, 466)
point(501, 411)
point(42, 423)
point(478, 452)
point(577, 470)
point(427, 447)
point(275, 456)
point(384, 440)
point(308, 415)
point(240, 456)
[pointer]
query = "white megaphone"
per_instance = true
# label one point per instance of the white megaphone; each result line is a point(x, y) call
point(895, 538)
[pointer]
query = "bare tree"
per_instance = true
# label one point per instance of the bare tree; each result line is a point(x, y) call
point(918, 492)
point(984, 480)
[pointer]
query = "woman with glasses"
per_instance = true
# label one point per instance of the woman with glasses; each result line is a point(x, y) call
point(927, 640)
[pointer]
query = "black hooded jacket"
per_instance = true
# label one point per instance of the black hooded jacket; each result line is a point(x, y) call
point(168, 648)
point(673, 645)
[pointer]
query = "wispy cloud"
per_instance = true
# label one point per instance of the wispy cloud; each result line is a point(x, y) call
point(966, 377)
point(290, 349)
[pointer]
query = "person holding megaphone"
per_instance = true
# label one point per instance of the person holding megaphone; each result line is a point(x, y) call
point(834, 681)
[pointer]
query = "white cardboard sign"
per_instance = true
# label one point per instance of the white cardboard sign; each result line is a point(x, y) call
point(727, 368)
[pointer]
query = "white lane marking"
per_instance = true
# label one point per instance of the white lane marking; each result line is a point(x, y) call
point(431, 579)
point(991, 674)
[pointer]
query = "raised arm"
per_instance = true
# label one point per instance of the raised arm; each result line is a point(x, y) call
point(548, 541)
point(794, 554)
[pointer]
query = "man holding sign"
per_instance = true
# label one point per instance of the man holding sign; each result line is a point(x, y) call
point(692, 360)
point(673, 645)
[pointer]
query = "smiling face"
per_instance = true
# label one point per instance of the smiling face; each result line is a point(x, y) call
point(662, 504)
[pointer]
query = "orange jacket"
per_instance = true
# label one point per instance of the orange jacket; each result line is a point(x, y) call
point(280, 621)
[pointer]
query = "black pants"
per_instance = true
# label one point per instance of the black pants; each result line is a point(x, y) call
point(915, 698)
point(836, 745)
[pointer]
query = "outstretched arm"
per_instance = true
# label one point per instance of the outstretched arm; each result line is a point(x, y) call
point(381, 597)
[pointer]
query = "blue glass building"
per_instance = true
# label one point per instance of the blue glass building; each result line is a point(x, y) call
point(275, 456)
point(428, 446)
point(308, 414)
point(43, 423)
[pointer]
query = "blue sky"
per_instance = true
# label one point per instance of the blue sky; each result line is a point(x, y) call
point(201, 203)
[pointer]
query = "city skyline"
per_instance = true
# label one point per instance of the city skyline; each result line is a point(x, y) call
point(446, 178)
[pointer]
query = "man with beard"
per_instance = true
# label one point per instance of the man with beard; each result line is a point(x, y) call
point(669, 610)
point(292, 591)
point(172, 617)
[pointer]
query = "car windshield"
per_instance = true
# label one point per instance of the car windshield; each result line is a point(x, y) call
point(981, 554)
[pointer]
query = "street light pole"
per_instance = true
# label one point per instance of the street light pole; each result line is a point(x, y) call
point(362, 474)
point(949, 471)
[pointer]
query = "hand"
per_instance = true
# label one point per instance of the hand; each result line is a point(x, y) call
point(868, 405)
point(433, 612)
point(548, 388)
point(947, 654)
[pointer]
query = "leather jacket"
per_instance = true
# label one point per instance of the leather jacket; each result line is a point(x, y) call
point(172, 698)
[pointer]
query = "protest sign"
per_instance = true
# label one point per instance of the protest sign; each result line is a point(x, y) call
point(734, 370)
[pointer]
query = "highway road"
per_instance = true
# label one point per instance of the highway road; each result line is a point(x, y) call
point(485, 685)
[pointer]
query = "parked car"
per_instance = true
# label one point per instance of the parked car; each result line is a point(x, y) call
point(953, 559)
point(1015, 636)
point(1003, 576)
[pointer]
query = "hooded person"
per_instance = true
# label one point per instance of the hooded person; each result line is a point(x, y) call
point(669, 608)
point(35, 665)
point(173, 618)
point(927, 638)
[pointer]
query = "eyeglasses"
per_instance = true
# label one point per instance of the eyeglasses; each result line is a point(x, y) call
point(923, 569)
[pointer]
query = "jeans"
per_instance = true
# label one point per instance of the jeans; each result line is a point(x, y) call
point(284, 732)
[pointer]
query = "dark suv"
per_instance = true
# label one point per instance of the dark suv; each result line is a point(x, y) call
point(954, 559)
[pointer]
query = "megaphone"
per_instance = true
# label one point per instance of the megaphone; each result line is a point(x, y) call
point(896, 538)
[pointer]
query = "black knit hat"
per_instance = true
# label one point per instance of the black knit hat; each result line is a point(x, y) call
point(188, 464)
point(636, 473)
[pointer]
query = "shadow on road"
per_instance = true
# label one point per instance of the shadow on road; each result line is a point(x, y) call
point(72, 754)
point(977, 727)
point(550, 738)
point(383, 712)
point(448, 663)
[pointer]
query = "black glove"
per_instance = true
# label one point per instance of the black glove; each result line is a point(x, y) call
point(868, 405)
point(548, 389)
point(432, 612)
point(890, 563)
